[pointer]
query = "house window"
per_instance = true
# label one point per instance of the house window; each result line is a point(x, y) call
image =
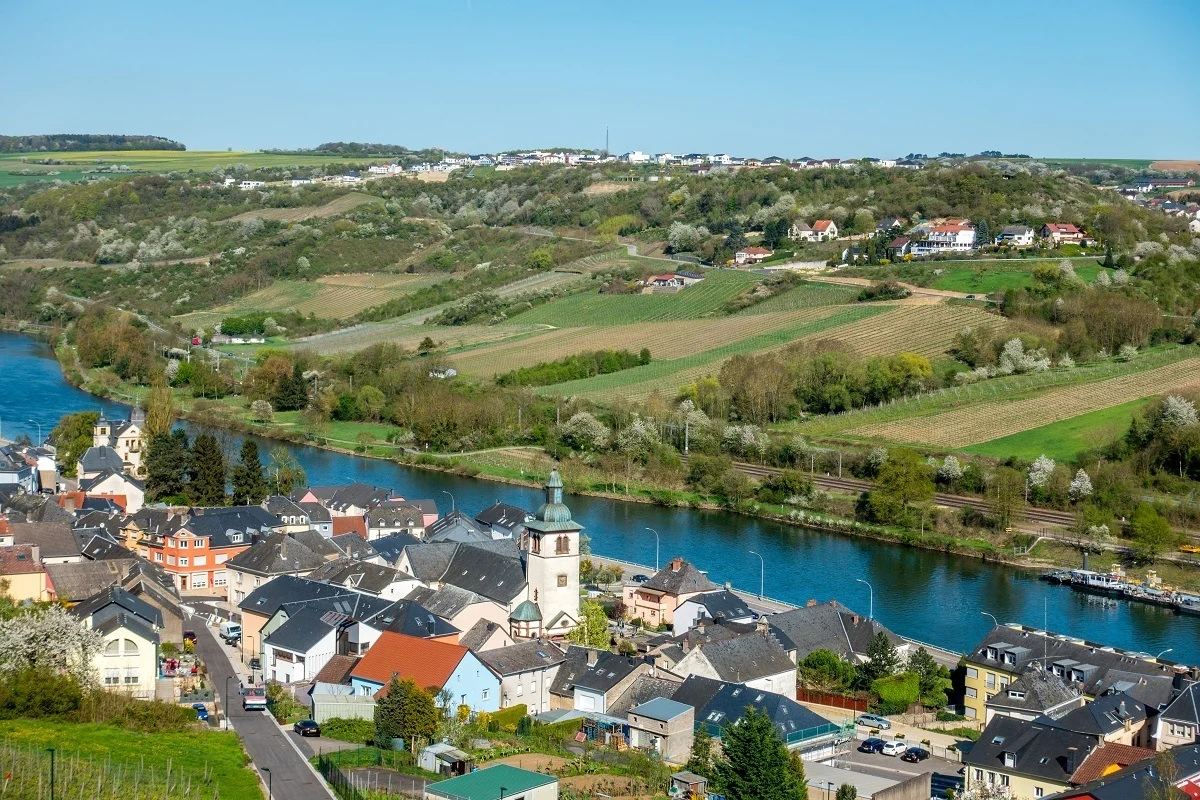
point(237, 577)
point(200, 580)
point(158, 557)
point(485, 694)
point(1038, 791)
point(520, 689)
point(131, 675)
point(978, 774)
point(972, 691)
point(218, 579)
point(113, 648)
point(533, 687)
point(972, 672)
point(199, 561)
point(991, 680)
point(112, 677)
point(171, 560)
point(1004, 780)
point(183, 562)
point(131, 648)
point(183, 544)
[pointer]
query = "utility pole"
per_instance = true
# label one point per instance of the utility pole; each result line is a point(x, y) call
point(51, 749)
point(686, 432)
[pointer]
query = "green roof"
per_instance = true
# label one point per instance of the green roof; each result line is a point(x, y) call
point(485, 784)
point(526, 612)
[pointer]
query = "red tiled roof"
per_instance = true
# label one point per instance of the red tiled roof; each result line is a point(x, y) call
point(18, 560)
point(899, 241)
point(1062, 227)
point(350, 525)
point(755, 251)
point(337, 670)
point(1106, 759)
point(822, 224)
point(425, 662)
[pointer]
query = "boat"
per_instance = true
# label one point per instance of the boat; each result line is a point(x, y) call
point(1108, 583)
point(1187, 604)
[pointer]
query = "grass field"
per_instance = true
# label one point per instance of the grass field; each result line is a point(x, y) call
point(116, 752)
point(593, 308)
point(669, 374)
point(410, 335)
point(1064, 440)
point(168, 160)
point(995, 419)
point(988, 280)
point(331, 209)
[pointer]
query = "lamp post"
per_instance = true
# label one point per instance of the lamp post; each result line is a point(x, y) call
point(228, 678)
point(762, 573)
point(451, 499)
point(51, 751)
point(871, 612)
point(39, 427)
point(1163, 653)
point(657, 541)
point(993, 616)
point(270, 782)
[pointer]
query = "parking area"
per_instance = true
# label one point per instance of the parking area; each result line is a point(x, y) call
point(893, 767)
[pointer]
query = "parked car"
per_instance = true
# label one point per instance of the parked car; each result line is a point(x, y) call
point(873, 721)
point(189, 636)
point(307, 727)
point(201, 711)
point(231, 632)
point(915, 755)
point(894, 748)
point(872, 745)
point(256, 663)
point(639, 578)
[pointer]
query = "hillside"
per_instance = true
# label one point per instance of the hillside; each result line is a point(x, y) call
point(72, 142)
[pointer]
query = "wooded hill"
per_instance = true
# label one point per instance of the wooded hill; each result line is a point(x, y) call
point(76, 142)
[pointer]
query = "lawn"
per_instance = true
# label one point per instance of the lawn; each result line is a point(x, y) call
point(985, 281)
point(1065, 439)
point(117, 753)
point(592, 308)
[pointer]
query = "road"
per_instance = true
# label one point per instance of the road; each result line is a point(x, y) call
point(892, 767)
point(267, 744)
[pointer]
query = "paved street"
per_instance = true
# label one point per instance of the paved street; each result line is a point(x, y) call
point(893, 767)
point(266, 743)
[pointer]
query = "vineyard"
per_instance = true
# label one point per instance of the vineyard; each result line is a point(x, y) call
point(322, 299)
point(341, 205)
point(1000, 417)
point(381, 280)
point(806, 295)
point(593, 308)
point(410, 335)
point(925, 329)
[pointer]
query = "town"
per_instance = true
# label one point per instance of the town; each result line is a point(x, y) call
point(334, 611)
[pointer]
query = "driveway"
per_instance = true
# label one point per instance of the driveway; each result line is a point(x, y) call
point(266, 743)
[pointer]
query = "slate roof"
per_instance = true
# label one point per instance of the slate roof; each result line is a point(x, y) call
point(319, 544)
point(455, 527)
point(54, 539)
point(609, 670)
point(826, 626)
point(355, 546)
point(643, 689)
point(99, 459)
point(116, 596)
point(316, 512)
point(360, 575)
point(231, 527)
point(285, 589)
point(337, 670)
point(478, 635)
point(275, 555)
point(503, 517)
point(522, 657)
point(391, 546)
point(1131, 783)
point(1042, 691)
point(99, 548)
point(396, 514)
point(720, 704)
point(746, 658)
point(1102, 717)
point(89, 484)
point(279, 506)
point(447, 601)
point(305, 629)
point(722, 604)
point(354, 495)
point(412, 619)
point(130, 622)
point(679, 577)
point(486, 572)
point(1039, 751)
point(75, 582)
point(1186, 707)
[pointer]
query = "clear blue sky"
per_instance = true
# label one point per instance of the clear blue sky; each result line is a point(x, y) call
point(833, 79)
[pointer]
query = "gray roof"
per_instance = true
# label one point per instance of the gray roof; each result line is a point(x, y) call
point(99, 459)
point(88, 484)
point(429, 560)
point(284, 589)
point(100, 548)
point(114, 597)
point(455, 527)
point(486, 572)
point(370, 578)
point(680, 577)
point(1038, 751)
point(392, 545)
point(54, 539)
point(447, 601)
point(280, 506)
point(355, 495)
point(316, 512)
point(478, 634)
point(277, 554)
point(746, 658)
point(720, 704)
point(412, 619)
point(130, 622)
point(1039, 691)
point(75, 582)
point(608, 671)
point(503, 517)
point(522, 657)
point(1102, 717)
point(321, 545)
point(723, 604)
point(661, 709)
point(304, 629)
point(1185, 707)
point(396, 514)
point(355, 546)
point(826, 626)
point(643, 689)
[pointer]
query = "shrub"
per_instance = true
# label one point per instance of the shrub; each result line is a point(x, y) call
point(359, 731)
point(508, 718)
point(897, 692)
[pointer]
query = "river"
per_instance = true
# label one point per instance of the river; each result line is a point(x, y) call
point(929, 596)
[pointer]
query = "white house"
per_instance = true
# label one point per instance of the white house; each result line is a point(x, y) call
point(722, 606)
point(957, 237)
point(753, 659)
point(246, 186)
point(752, 255)
point(824, 230)
point(300, 182)
point(298, 649)
point(1015, 236)
point(116, 483)
point(527, 671)
point(636, 157)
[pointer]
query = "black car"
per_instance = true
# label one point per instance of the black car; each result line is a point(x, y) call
point(307, 727)
point(872, 745)
point(189, 636)
point(639, 578)
point(255, 663)
point(915, 755)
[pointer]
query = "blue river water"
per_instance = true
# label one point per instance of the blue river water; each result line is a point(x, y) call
point(929, 596)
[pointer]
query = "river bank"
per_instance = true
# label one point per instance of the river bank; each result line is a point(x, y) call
point(920, 593)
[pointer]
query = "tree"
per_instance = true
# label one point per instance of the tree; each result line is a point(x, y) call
point(72, 436)
point(882, 660)
point(799, 779)
point(903, 479)
point(426, 345)
point(406, 712)
point(584, 432)
point(756, 765)
point(167, 459)
point(160, 411)
point(1108, 259)
point(1040, 470)
point(592, 630)
point(982, 233)
point(1006, 493)
point(261, 411)
point(826, 671)
point(286, 473)
point(292, 394)
point(700, 761)
point(207, 472)
point(932, 678)
point(1161, 782)
point(249, 483)
point(1081, 487)
point(48, 637)
point(1151, 533)
point(846, 791)
point(736, 239)
point(370, 403)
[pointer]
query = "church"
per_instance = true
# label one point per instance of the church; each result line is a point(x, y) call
point(117, 446)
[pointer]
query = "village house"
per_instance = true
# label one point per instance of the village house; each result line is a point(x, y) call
point(956, 236)
point(129, 492)
point(527, 671)
point(829, 626)
point(1015, 236)
point(23, 573)
point(259, 609)
point(801, 231)
point(1179, 723)
point(277, 554)
point(1025, 759)
point(752, 659)
point(1064, 233)
point(592, 680)
point(503, 521)
point(127, 660)
point(752, 255)
point(374, 579)
point(654, 601)
point(1038, 693)
point(395, 516)
point(430, 664)
point(55, 541)
point(719, 606)
point(899, 247)
point(195, 553)
point(824, 230)
point(663, 726)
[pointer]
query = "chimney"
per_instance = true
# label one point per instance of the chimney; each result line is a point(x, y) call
point(855, 619)
point(762, 626)
point(676, 564)
point(811, 602)
point(1071, 760)
point(593, 657)
point(700, 626)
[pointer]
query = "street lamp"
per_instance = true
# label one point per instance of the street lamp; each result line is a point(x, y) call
point(228, 678)
point(51, 751)
point(762, 572)
point(986, 614)
point(1163, 653)
point(270, 782)
point(871, 612)
point(656, 544)
point(39, 427)
point(451, 499)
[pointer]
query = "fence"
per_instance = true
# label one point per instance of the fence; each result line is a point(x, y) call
point(855, 704)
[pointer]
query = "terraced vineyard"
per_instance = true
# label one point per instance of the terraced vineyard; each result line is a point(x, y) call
point(668, 375)
point(994, 419)
point(381, 280)
point(410, 335)
point(925, 329)
point(806, 295)
point(331, 301)
point(666, 340)
point(592, 308)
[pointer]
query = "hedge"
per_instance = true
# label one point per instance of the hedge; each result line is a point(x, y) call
point(507, 718)
point(897, 692)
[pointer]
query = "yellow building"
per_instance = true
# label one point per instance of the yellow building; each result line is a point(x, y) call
point(1026, 759)
point(22, 573)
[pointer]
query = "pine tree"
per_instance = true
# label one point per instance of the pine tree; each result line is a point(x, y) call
point(167, 459)
point(292, 394)
point(982, 234)
point(249, 483)
point(756, 765)
point(846, 791)
point(160, 411)
point(800, 780)
point(207, 473)
point(882, 659)
point(1108, 259)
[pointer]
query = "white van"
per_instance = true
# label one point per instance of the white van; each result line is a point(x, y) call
point(231, 631)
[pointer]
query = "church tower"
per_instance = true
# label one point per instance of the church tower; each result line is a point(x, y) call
point(551, 545)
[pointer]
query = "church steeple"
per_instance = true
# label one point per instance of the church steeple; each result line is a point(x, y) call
point(554, 511)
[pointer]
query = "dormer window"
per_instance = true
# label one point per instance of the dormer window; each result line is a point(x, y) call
point(1016, 695)
point(1010, 760)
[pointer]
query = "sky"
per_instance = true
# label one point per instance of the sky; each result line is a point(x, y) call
point(1054, 78)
